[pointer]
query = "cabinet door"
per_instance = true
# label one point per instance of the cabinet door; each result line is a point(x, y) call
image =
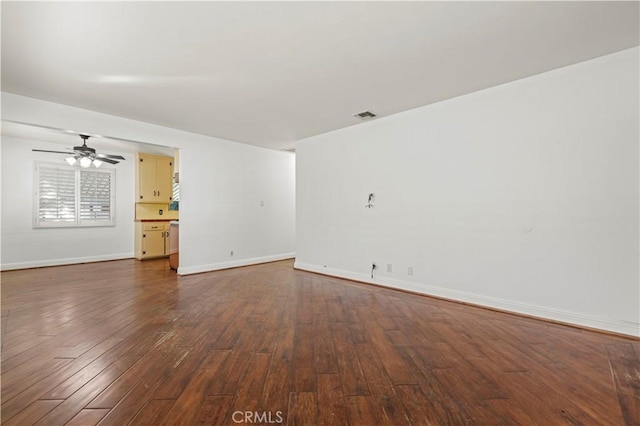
point(153, 243)
point(164, 179)
point(147, 171)
point(167, 242)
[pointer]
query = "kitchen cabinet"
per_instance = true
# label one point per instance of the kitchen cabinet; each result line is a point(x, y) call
point(151, 240)
point(154, 182)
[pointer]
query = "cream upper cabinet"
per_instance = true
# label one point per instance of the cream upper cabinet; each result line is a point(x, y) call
point(154, 179)
point(164, 169)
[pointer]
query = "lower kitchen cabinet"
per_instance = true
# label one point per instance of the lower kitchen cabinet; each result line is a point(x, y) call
point(151, 240)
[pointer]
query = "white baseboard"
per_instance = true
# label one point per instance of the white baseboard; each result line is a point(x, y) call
point(578, 319)
point(66, 261)
point(187, 270)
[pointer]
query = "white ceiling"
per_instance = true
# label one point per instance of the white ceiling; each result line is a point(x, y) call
point(271, 73)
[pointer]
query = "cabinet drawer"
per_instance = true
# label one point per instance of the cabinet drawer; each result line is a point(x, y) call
point(153, 226)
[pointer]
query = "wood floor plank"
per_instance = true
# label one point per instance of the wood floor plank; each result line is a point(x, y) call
point(470, 399)
point(216, 410)
point(75, 403)
point(234, 332)
point(361, 410)
point(398, 368)
point(624, 363)
point(419, 408)
point(349, 368)
point(138, 345)
point(189, 403)
point(506, 412)
point(302, 409)
point(389, 408)
point(561, 378)
point(278, 385)
point(266, 340)
point(153, 413)
point(26, 375)
point(250, 389)
point(174, 385)
point(549, 405)
point(331, 409)
point(74, 382)
point(279, 380)
point(4, 322)
point(87, 417)
point(32, 413)
point(397, 338)
point(33, 392)
point(304, 313)
point(334, 311)
point(227, 378)
point(31, 342)
point(303, 354)
point(436, 356)
point(140, 394)
point(324, 353)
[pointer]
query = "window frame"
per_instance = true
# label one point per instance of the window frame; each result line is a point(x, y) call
point(77, 222)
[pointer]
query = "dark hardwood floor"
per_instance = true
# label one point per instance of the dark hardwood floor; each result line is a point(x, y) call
point(128, 342)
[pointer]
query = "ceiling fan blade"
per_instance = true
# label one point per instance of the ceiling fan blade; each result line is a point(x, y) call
point(117, 157)
point(107, 160)
point(55, 152)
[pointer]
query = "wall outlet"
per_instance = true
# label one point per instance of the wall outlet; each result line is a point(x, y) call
point(389, 267)
point(230, 252)
point(410, 270)
point(160, 212)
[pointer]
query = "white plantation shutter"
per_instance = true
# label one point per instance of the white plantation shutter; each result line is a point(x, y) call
point(70, 196)
point(95, 197)
point(176, 191)
point(56, 196)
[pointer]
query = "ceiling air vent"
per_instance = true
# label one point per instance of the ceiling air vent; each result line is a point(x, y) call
point(365, 115)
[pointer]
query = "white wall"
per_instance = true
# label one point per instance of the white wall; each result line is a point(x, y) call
point(24, 246)
point(245, 202)
point(222, 185)
point(522, 197)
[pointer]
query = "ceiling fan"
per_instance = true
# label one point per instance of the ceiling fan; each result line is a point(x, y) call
point(86, 155)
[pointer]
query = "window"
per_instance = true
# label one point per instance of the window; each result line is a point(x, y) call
point(176, 191)
point(71, 197)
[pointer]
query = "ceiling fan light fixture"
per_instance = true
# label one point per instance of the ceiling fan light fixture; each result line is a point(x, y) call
point(97, 163)
point(71, 160)
point(85, 162)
